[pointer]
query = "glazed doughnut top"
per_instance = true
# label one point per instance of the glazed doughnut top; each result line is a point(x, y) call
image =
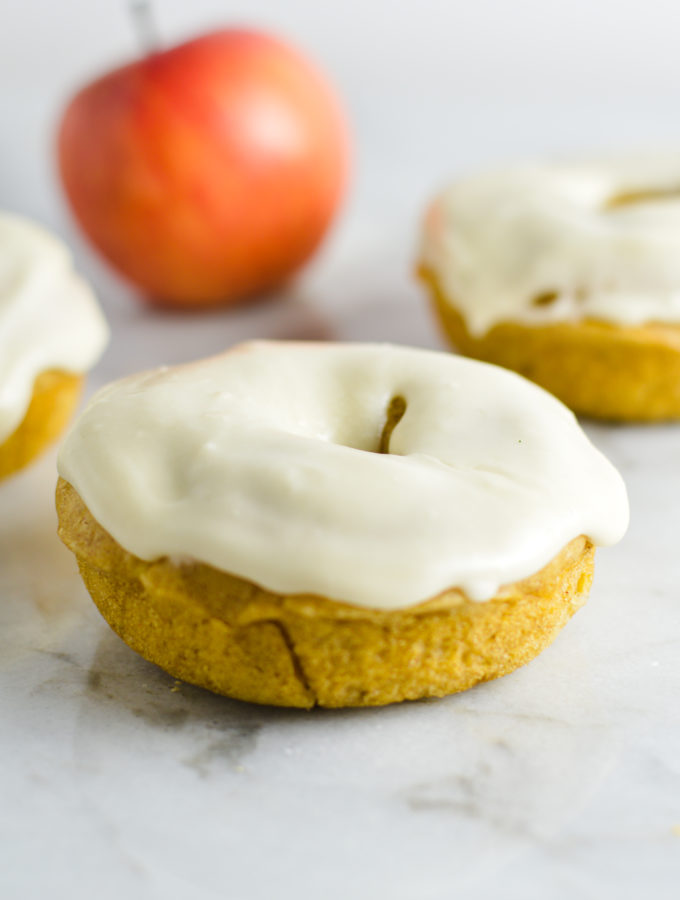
point(556, 243)
point(49, 318)
point(273, 462)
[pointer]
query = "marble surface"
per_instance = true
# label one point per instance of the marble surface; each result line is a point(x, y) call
point(561, 780)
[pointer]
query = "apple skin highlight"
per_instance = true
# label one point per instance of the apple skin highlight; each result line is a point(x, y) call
point(207, 173)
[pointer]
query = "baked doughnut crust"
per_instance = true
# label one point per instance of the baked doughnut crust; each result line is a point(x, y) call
point(623, 373)
point(226, 634)
point(54, 400)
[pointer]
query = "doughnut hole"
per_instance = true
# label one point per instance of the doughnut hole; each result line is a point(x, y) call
point(393, 416)
point(634, 198)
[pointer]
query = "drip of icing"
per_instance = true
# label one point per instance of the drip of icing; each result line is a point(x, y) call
point(49, 318)
point(293, 466)
point(558, 243)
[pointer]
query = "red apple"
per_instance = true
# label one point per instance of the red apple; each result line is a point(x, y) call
point(208, 172)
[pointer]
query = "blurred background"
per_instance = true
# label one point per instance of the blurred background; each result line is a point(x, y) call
point(432, 89)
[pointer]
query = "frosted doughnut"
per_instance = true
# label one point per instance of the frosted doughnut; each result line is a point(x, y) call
point(329, 484)
point(569, 274)
point(51, 333)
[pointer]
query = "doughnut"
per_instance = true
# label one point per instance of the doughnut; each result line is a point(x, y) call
point(568, 274)
point(51, 333)
point(335, 525)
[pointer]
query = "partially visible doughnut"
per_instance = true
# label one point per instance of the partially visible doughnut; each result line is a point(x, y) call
point(54, 400)
point(568, 274)
point(51, 333)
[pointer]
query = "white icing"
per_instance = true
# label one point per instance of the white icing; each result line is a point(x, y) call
point(261, 462)
point(498, 241)
point(49, 318)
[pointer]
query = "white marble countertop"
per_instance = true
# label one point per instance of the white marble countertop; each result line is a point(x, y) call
point(561, 780)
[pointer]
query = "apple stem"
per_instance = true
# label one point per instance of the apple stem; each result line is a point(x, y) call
point(145, 25)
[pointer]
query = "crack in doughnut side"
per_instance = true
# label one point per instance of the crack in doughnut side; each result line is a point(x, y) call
point(298, 668)
point(393, 416)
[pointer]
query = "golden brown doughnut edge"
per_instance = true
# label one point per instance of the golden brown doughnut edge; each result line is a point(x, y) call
point(226, 634)
point(623, 373)
point(54, 400)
